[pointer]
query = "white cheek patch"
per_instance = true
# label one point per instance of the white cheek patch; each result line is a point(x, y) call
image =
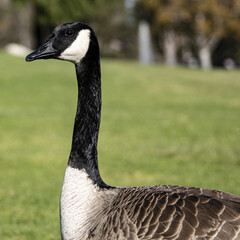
point(78, 49)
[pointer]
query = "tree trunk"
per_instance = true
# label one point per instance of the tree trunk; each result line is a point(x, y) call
point(5, 18)
point(144, 43)
point(170, 48)
point(16, 23)
point(205, 56)
point(25, 17)
point(205, 49)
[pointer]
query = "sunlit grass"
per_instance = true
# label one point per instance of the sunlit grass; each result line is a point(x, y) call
point(159, 126)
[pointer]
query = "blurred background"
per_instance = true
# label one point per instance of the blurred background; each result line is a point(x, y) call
point(171, 101)
point(193, 33)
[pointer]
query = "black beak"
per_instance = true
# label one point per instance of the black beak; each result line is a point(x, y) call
point(45, 51)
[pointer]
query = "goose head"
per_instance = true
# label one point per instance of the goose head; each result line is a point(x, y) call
point(70, 42)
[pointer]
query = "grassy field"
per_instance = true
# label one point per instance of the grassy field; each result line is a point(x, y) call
point(159, 126)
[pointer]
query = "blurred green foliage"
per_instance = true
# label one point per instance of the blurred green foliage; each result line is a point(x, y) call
point(206, 18)
point(57, 11)
point(107, 18)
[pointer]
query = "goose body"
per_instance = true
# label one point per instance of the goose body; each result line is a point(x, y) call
point(89, 208)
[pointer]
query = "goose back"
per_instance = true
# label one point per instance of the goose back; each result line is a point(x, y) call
point(170, 212)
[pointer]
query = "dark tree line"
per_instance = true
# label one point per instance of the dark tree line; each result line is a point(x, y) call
point(195, 27)
point(33, 20)
point(184, 31)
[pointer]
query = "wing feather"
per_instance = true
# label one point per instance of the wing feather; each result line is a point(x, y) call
point(173, 213)
point(164, 212)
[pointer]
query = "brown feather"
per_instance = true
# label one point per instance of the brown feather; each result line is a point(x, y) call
point(171, 212)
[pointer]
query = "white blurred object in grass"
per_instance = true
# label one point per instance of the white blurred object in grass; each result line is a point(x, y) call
point(17, 49)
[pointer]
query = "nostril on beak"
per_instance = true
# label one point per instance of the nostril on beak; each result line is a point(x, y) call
point(44, 46)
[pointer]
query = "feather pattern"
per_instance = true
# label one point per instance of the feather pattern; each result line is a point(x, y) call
point(170, 212)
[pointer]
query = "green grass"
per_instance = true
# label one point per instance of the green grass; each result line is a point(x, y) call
point(159, 126)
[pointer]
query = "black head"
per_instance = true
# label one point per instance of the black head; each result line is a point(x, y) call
point(70, 41)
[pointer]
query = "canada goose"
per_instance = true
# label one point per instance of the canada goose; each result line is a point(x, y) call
point(89, 208)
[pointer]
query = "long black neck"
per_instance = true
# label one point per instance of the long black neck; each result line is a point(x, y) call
point(87, 121)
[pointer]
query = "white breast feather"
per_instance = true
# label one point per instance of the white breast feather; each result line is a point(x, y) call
point(78, 49)
point(81, 204)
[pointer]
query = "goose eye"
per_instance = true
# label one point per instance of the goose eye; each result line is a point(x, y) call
point(69, 33)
